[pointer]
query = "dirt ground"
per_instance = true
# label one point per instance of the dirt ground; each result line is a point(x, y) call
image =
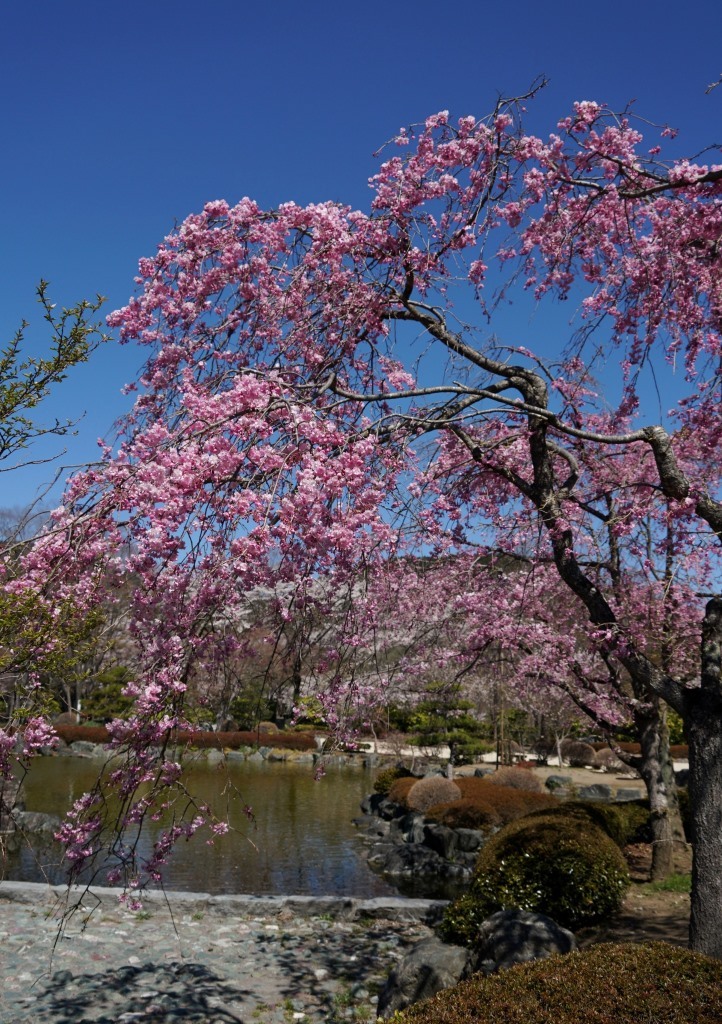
point(645, 915)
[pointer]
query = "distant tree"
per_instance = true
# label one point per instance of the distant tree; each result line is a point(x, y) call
point(38, 638)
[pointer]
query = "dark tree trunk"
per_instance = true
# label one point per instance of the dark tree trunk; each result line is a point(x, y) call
point(657, 772)
point(703, 722)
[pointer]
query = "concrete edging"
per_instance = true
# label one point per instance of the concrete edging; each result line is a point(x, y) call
point(338, 907)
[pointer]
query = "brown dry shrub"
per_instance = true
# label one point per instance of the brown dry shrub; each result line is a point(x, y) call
point(508, 803)
point(400, 788)
point(466, 813)
point(608, 760)
point(577, 753)
point(89, 733)
point(200, 739)
point(435, 789)
point(618, 983)
point(516, 778)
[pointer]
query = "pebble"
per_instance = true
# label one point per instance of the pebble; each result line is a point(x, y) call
point(170, 965)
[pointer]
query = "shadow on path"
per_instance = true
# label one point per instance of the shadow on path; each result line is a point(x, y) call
point(153, 994)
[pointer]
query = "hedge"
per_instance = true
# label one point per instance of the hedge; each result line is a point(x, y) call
point(201, 739)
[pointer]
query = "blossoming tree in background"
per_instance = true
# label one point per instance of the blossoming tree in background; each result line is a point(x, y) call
point(329, 390)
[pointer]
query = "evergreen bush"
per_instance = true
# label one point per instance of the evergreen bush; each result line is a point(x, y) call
point(387, 776)
point(566, 868)
point(624, 823)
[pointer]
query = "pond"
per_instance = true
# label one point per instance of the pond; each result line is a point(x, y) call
point(301, 841)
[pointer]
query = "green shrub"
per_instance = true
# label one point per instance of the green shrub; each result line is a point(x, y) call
point(466, 814)
point(611, 983)
point(436, 789)
point(516, 778)
point(635, 817)
point(387, 776)
point(623, 823)
point(566, 868)
point(105, 701)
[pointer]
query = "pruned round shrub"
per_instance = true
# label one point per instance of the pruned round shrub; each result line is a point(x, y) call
point(608, 761)
point(610, 983)
point(566, 868)
point(387, 776)
point(400, 789)
point(516, 778)
point(636, 819)
point(509, 803)
point(466, 813)
point(434, 789)
point(577, 754)
point(623, 823)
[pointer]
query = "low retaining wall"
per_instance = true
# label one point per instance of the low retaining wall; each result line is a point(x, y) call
point(345, 908)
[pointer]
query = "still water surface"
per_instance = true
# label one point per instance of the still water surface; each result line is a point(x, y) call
point(302, 840)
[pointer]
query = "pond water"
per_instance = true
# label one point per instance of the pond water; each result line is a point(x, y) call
point(301, 841)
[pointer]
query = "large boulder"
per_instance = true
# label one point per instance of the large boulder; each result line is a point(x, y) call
point(431, 966)
point(507, 937)
point(516, 936)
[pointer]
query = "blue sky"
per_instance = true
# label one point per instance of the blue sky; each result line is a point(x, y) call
point(119, 119)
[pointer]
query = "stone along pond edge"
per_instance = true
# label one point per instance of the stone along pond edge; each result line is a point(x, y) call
point(346, 908)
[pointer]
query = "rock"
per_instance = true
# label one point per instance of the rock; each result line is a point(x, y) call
point(413, 861)
point(555, 782)
point(469, 840)
point(625, 794)
point(479, 773)
point(431, 966)
point(681, 777)
point(515, 936)
point(599, 791)
point(83, 748)
point(37, 822)
point(441, 840)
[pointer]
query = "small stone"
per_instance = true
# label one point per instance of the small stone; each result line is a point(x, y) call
point(62, 977)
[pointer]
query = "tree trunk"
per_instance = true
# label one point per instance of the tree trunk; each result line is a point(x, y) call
point(657, 772)
point(703, 722)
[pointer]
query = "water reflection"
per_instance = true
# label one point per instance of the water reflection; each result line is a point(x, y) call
point(301, 841)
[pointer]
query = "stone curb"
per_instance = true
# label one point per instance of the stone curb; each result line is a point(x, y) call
point(338, 907)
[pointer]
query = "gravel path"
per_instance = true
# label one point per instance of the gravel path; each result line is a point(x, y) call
point(198, 958)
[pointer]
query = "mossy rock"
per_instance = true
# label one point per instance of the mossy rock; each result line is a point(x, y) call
point(611, 983)
point(566, 868)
